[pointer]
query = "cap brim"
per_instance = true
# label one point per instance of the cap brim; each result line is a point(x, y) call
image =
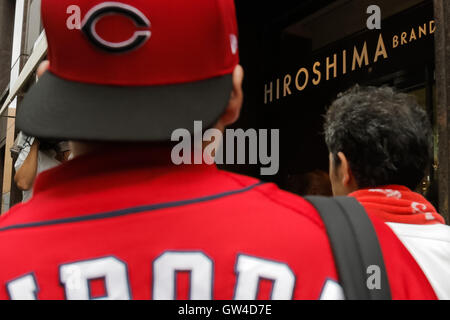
point(56, 108)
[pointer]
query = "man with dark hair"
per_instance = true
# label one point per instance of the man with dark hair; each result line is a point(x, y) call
point(121, 220)
point(380, 144)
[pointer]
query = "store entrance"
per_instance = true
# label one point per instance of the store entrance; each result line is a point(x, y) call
point(298, 62)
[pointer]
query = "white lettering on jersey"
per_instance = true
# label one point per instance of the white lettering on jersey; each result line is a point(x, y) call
point(76, 276)
point(332, 291)
point(23, 288)
point(250, 270)
point(169, 263)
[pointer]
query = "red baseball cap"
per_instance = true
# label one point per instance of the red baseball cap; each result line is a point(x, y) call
point(132, 70)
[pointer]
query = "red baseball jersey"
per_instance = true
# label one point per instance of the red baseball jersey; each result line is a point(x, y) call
point(131, 226)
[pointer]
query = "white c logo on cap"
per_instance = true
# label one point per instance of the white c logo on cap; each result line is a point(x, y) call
point(94, 15)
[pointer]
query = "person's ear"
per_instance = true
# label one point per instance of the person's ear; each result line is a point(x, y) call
point(343, 169)
point(345, 174)
point(233, 110)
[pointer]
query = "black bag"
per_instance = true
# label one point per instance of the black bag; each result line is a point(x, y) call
point(355, 246)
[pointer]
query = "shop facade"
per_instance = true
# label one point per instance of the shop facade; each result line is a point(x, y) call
point(299, 59)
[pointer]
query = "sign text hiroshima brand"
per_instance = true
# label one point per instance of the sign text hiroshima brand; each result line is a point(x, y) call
point(342, 63)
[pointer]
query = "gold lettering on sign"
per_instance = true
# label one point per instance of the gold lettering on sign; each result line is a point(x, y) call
point(333, 65)
point(403, 41)
point(305, 71)
point(381, 49)
point(432, 26)
point(395, 42)
point(344, 61)
point(359, 58)
point(413, 35)
point(284, 85)
point(422, 30)
point(287, 83)
point(278, 89)
point(268, 92)
point(317, 73)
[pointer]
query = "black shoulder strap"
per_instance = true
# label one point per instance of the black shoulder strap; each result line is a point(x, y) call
point(355, 247)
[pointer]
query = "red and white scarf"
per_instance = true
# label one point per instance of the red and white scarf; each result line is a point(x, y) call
point(398, 204)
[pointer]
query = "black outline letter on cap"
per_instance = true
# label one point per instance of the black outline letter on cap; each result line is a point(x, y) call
point(108, 8)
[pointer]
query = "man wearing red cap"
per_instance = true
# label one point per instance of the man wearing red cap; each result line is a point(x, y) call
point(121, 221)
